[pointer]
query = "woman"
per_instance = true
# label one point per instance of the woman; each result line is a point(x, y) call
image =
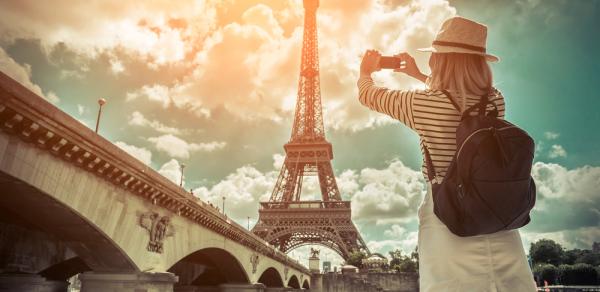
point(459, 64)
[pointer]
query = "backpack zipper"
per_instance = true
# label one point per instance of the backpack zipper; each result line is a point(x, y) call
point(480, 130)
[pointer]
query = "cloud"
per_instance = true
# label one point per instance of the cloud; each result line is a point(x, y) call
point(278, 160)
point(155, 93)
point(266, 71)
point(138, 119)
point(116, 67)
point(157, 29)
point(556, 181)
point(551, 135)
point(170, 97)
point(407, 244)
point(581, 238)
point(246, 61)
point(567, 200)
point(395, 231)
point(142, 154)
point(242, 189)
point(557, 151)
point(179, 148)
point(172, 171)
point(22, 74)
point(392, 194)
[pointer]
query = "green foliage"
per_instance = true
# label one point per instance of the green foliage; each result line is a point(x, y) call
point(578, 274)
point(570, 256)
point(356, 258)
point(588, 257)
point(575, 266)
point(396, 256)
point(546, 272)
point(415, 256)
point(405, 264)
point(546, 251)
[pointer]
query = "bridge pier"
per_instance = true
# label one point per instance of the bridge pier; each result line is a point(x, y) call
point(31, 283)
point(127, 282)
point(316, 282)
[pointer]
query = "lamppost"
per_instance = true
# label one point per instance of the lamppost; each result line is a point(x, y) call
point(248, 222)
point(101, 102)
point(223, 205)
point(181, 167)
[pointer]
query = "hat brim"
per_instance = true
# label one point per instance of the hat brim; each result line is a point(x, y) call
point(447, 49)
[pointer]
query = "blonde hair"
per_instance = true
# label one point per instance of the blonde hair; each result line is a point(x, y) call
point(465, 73)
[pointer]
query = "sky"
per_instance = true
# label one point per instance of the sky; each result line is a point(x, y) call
point(213, 84)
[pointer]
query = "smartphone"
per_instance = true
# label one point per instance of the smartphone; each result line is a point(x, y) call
point(386, 62)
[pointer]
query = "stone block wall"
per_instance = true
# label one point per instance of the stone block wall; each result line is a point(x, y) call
point(369, 282)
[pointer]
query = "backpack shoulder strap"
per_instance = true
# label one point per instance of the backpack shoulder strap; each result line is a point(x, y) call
point(449, 96)
point(429, 164)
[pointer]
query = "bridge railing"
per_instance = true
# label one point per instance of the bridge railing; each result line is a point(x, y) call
point(36, 121)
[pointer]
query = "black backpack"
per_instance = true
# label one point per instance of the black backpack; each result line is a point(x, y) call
point(488, 186)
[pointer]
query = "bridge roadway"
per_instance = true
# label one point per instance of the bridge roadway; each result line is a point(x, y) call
point(72, 203)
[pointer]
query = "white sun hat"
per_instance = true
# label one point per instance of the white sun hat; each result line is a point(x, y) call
point(461, 35)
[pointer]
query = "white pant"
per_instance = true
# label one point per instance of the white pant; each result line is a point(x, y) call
point(447, 262)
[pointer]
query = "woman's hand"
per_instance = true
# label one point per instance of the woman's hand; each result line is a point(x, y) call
point(409, 67)
point(370, 63)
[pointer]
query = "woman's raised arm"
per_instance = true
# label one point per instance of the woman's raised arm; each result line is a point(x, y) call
point(395, 103)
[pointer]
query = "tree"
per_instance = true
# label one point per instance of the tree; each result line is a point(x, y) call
point(546, 272)
point(570, 256)
point(588, 257)
point(578, 274)
point(402, 263)
point(355, 259)
point(396, 256)
point(546, 251)
point(415, 256)
point(406, 265)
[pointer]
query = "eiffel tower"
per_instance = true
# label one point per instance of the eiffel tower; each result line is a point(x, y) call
point(285, 221)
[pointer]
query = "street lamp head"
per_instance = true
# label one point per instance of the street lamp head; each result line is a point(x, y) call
point(101, 101)
point(182, 165)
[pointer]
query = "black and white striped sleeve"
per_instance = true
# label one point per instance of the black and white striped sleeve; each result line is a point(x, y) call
point(395, 103)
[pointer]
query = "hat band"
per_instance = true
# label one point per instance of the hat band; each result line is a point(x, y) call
point(459, 45)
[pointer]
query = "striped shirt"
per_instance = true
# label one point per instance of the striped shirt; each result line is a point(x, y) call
point(427, 112)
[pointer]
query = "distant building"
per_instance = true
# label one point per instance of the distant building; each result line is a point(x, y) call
point(326, 267)
point(596, 247)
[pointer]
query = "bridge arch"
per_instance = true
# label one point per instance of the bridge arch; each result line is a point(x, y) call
point(293, 282)
point(333, 247)
point(305, 285)
point(209, 267)
point(64, 240)
point(298, 237)
point(271, 278)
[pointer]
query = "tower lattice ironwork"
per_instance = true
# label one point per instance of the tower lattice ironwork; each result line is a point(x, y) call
point(285, 221)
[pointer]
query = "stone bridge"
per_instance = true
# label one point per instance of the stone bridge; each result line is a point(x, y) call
point(73, 203)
